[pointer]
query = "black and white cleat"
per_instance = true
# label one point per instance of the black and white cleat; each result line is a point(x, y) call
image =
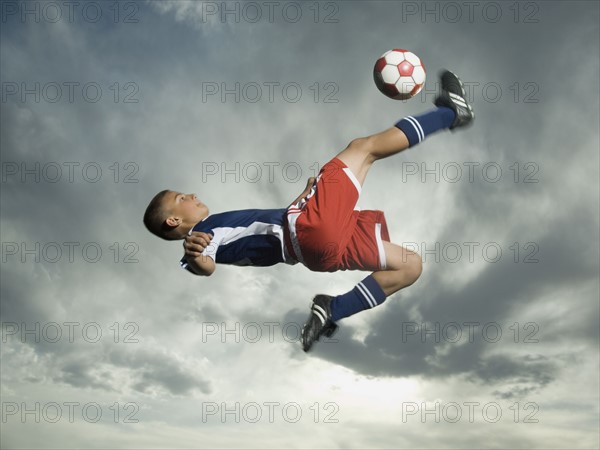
point(452, 95)
point(319, 322)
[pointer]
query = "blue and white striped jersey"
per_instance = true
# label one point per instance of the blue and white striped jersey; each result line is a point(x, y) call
point(249, 237)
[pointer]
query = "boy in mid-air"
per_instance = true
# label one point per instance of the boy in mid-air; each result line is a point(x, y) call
point(322, 229)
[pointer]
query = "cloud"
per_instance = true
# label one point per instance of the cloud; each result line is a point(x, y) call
point(174, 128)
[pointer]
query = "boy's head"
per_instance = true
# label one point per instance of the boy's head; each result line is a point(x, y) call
point(171, 215)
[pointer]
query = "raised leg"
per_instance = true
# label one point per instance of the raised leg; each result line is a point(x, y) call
point(361, 153)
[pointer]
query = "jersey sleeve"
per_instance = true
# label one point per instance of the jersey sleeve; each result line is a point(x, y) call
point(211, 250)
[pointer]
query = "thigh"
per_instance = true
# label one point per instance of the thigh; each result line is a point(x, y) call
point(360, 155)
point(357, 158)
point(366, 249)
point(398, 257)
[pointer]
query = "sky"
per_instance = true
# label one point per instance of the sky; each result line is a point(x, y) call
point(107, 343)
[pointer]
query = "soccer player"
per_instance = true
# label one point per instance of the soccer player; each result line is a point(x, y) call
point(322, 228)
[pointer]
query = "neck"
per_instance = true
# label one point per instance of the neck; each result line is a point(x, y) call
point(185, 228)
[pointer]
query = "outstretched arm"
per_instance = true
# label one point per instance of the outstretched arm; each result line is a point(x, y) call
point(306, 191)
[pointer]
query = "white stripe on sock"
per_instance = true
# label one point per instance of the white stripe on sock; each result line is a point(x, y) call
point(366, 294)
point(417, 126)
point(420, 128)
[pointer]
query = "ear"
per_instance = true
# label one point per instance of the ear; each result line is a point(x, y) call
point(173, 221)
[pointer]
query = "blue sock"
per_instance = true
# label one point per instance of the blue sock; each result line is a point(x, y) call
point(417, 127)
point(366, 294)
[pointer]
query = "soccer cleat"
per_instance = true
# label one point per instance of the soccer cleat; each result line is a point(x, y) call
point(319, 322)
point(452, 95)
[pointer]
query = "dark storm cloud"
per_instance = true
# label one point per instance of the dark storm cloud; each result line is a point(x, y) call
point(75, 358)
point(77, 374)
point(148, 371)
point(158, 368)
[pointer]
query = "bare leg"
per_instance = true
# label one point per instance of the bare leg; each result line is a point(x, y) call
point(403, 269)
point(361, 153)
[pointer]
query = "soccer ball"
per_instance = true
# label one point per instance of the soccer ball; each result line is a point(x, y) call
point(399, 74)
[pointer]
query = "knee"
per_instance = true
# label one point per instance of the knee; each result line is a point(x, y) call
point(362, 145)
point(413, 268)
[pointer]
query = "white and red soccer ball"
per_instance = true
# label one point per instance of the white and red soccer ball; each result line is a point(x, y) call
point(399, 74)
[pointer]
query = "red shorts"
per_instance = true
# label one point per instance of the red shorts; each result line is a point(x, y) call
point(327, 232)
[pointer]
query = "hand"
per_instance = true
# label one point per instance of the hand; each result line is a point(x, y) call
point(195, 243)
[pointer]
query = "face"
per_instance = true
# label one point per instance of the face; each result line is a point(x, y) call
point(186, 209)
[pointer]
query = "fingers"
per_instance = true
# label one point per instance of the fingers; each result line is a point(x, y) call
point(195, 243)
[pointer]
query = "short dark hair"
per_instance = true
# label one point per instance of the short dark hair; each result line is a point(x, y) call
point(155, 218)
